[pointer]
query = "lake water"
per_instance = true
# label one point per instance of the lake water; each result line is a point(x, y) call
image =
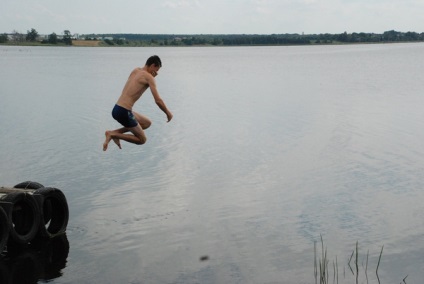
point(269, 148)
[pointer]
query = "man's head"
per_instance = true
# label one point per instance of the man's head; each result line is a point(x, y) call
point(154, 60)
point(153, 64)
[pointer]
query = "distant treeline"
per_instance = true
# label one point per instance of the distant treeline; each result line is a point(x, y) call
point(33, 37)
point(252, 39)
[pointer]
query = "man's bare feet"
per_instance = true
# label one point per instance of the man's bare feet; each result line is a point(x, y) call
point(109, 137)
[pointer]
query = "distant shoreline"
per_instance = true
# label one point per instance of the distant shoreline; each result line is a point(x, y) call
point(154, 40)
point(83, 43)
point(101, 44)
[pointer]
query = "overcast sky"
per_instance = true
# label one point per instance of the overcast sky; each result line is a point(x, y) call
point(211, 16)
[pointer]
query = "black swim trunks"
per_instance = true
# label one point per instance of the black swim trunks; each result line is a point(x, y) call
point(124, 116)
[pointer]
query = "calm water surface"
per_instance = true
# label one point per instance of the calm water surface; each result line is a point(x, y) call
point(269, 148)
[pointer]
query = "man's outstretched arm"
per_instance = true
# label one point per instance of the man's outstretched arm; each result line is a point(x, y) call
point(158, 100)
point(162, 106)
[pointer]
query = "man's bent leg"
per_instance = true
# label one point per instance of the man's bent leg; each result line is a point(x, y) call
point(144, 121)
point(138, 137)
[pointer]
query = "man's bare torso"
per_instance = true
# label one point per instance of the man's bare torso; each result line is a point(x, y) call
point(136, 85)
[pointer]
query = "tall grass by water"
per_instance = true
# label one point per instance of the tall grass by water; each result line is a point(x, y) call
point(326, 270)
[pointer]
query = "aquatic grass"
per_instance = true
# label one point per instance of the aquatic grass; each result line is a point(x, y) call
point(321, 265)
point(378, 264)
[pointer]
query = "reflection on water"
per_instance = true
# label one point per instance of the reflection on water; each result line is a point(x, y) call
point(42, 260)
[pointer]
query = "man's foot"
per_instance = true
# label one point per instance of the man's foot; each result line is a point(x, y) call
point(107, 140)
point(117, 142)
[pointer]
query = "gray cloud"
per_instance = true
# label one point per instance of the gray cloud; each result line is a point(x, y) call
point(212, 16)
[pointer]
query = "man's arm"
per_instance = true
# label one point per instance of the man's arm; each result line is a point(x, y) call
point(158, 99)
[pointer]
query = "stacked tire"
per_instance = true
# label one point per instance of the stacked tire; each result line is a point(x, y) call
point(29, 211)
point(4, 229)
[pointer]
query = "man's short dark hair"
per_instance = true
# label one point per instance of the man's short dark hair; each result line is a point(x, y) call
point(154, 60)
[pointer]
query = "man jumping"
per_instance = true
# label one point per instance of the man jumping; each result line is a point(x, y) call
point(138, 82)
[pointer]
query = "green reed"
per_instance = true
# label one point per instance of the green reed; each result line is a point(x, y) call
point(322, 267)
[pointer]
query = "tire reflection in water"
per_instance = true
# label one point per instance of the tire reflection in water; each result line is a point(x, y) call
point(43, 259)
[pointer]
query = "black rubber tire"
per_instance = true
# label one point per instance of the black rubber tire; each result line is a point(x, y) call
point(24, 217)
point(29, 185)
point(54, 212)
point(4, 230)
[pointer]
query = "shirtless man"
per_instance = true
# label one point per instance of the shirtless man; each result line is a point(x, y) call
point(138, 82)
